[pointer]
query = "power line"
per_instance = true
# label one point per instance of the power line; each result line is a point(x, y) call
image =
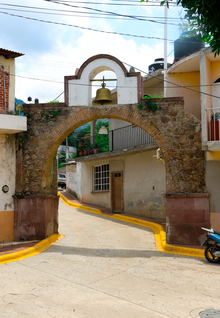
point(103, 11)
point(90, 29)
point(178, 85)
point(149, 74)
point(84, 14)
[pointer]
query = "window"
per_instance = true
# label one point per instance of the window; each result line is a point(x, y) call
point(101, 178)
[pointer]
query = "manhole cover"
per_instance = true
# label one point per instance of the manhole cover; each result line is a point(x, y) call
point(210, 313)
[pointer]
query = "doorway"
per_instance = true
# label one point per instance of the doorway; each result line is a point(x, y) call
point(117, 191)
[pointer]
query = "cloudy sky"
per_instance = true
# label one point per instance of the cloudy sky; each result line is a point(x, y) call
point(57, 36)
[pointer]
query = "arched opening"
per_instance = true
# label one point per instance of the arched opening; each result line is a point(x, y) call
point(129, 167)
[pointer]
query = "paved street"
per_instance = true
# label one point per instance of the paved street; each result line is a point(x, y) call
point(105, 268)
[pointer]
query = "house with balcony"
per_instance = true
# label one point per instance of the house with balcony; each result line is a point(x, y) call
point(10, 125)
point(196, 77)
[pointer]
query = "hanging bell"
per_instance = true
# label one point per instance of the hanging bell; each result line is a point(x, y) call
point(103, 95)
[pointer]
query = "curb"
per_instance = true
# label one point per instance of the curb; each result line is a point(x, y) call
point(31, 251)
point(159, 234)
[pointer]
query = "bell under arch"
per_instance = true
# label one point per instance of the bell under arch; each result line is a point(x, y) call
point(78, 87)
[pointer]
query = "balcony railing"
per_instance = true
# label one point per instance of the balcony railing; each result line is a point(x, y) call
point(213, 116)
point(121, 138)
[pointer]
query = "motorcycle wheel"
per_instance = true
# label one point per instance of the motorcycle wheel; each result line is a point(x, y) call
point(209, 255)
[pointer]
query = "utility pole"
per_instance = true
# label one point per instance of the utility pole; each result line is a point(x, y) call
point(165, 50)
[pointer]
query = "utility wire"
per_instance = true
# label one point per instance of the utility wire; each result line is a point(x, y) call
point(149, 74)
point(84, 14)
point(178, 85)
point(84, 28)
point(103, 11)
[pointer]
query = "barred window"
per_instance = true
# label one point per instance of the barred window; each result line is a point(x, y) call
point(101, 178)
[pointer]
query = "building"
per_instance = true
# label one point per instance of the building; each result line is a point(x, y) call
point(195, 73)
point(10, 125)
point(195, 69)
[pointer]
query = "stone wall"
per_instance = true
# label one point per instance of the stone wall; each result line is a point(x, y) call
point(176, 132)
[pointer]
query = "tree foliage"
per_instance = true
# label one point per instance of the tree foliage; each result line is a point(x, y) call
point(204, 19)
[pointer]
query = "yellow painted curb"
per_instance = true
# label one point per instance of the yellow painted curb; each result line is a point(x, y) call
point(31, 251)
point(159, 234)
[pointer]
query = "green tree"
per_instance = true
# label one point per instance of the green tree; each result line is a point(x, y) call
point(204, 19)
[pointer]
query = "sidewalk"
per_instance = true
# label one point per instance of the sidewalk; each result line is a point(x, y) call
point(14, 247)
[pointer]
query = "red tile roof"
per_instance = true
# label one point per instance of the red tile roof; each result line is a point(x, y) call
point(9, 54)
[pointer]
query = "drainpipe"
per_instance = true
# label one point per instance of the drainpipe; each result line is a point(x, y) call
point(4, 86)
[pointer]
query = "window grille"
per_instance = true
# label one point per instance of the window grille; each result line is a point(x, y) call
point(101, 178)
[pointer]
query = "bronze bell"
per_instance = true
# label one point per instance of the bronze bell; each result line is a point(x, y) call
point(103, 95)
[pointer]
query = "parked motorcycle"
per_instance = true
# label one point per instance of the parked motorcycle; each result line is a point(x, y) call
point(212, 251)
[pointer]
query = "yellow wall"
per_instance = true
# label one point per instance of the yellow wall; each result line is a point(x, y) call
point(215, 70)
point(191, 98)
point(6, 226)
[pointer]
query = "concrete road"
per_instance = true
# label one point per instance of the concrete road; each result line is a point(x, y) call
point(105, 268)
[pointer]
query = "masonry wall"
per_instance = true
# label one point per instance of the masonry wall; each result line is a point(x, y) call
point(4, 97)
point(9, 66)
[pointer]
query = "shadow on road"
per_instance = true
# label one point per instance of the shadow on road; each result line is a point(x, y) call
point(114, 253)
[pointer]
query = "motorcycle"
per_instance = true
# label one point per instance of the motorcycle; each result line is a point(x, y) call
point(212, 251)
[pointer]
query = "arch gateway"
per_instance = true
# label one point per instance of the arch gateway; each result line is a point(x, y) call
point(176, 132)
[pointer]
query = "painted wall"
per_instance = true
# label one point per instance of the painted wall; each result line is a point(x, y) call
point(71, 178)
point(213, 186)
point(191, 99)
point(157, 89)
point(7, 177)
point(81, 94)
point(9, 65)
point(143, 183)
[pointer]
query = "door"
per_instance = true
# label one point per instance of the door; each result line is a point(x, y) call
point(117, 191)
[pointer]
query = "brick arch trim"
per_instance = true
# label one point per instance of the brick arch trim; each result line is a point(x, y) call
point(101, 56)
point(97, 57)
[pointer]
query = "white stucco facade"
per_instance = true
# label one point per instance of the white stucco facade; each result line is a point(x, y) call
point(80, 93)
point(143, 183)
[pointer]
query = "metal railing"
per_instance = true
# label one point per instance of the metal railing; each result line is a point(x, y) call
point(213, 117)
point(120, 138)
point(127, 137)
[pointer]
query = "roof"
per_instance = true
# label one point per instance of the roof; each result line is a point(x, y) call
point(9, 54)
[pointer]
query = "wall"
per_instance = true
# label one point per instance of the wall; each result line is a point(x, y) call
point(9, 65)
point(143, 183)
point(71, 178)
point(7, 177)
point(191, 98)
point(157, 89)
point(212, 176)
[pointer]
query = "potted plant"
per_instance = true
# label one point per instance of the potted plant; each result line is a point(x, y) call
point(81, 152)
point(95, 149)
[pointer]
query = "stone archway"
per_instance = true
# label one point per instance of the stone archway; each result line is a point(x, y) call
point(176, 132)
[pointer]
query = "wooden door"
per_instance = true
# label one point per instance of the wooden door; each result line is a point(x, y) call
point(117, 191)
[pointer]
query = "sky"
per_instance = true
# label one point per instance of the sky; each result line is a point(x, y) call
point(57, 36)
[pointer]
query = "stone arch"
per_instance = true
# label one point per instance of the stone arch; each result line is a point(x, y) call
point(176, 132)
point(130, 114)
